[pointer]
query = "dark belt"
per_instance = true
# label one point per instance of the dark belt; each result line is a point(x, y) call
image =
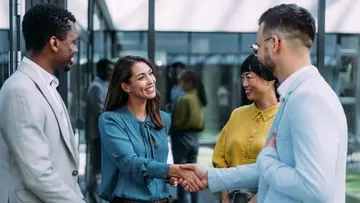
point(122, 200)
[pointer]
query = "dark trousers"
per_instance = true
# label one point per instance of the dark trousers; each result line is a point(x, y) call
point(94, 172)
point(185, 147)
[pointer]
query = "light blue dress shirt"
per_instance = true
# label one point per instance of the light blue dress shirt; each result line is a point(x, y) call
point(308, 164)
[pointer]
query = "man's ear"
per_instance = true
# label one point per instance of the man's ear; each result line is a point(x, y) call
point(125, 87)
point(276, 43)
point(54, 44)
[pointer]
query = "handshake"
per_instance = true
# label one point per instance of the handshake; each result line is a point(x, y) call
point(190, 176)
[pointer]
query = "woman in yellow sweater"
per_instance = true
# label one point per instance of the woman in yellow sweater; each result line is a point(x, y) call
point(244, 135)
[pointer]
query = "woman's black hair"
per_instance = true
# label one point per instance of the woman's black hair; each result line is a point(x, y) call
point(190, 77)
point(251, 64)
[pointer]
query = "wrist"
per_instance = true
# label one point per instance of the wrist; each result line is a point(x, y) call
point(174, 170)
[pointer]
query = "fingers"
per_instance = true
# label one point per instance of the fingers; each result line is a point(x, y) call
point(274, 133)
point(194, 182)
point(180, 181)
point(174, 181)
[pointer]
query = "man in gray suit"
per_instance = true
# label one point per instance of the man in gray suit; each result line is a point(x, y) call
point(38, 157)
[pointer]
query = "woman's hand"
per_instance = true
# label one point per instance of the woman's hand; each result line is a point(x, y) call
point(175, 181)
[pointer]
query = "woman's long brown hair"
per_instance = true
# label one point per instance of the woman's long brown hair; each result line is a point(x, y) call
point(117, 97)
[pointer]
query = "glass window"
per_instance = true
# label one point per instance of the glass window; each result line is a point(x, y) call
point(108, 44)
point(79, 9)
point(129, 15)
point(4, 14)
point(347, 84)
point(99, 45)
point(172, 42)
point(4, 41)
point(247, 39)
point(96, 21)
point(133, 43)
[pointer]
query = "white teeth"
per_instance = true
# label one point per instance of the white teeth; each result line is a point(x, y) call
point(150, 89)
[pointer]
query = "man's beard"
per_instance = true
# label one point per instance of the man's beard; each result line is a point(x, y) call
point(268, 63)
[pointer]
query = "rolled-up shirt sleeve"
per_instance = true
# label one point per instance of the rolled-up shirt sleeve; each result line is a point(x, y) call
point(117, 145)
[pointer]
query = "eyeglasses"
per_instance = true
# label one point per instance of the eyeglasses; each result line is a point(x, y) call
point(255, 47)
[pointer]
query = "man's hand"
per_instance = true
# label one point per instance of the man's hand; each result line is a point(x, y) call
point(272, 141)
point(225, 197)
point(201, 173)
point(253, 199)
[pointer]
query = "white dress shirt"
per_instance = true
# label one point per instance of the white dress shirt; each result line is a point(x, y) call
point(51, 82)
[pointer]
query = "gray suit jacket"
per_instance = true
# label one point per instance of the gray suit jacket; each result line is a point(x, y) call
point(38, 156)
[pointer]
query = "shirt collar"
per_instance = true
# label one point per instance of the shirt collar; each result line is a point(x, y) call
point(285, 85)
point(265, 114)
point(46, 77)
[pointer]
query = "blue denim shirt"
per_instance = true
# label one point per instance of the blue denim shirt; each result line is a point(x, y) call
point(129, 157)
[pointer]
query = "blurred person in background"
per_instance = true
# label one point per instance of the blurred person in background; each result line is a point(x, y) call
point(187, 121)
point(223, 103)
point(134, 138)
point(174, 88)
point(95, 103)
point(244, 135)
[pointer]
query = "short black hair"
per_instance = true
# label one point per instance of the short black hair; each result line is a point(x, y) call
point(294, 20)
point(103, 64)
point(178, 65)
point(43, 21)
point(251, 64)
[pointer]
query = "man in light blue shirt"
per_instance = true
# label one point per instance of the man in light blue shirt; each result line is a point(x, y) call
point(304, 159)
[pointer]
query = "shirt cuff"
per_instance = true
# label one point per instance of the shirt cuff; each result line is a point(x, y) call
point(159, 169)
point(268, 151)
point(213, 181)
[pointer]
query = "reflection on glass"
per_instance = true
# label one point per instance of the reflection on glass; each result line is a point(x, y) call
point(347, 76)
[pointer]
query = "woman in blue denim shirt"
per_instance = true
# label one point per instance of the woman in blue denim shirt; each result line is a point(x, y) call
point(134, 145)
